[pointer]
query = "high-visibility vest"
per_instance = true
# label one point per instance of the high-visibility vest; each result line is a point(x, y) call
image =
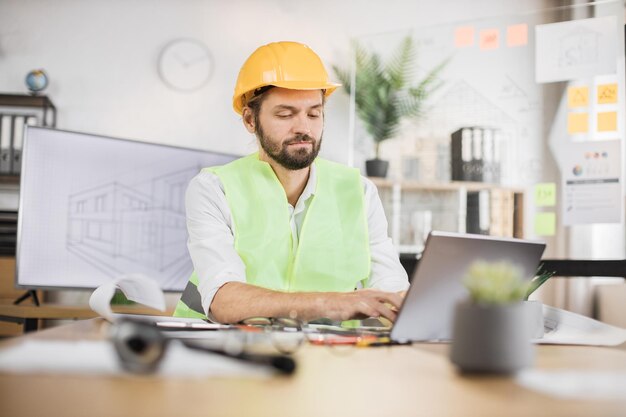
point(333, 246)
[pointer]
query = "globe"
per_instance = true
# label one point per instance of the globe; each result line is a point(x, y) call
point(36, 81)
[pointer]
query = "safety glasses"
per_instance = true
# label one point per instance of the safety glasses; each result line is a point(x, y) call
point(286, 334)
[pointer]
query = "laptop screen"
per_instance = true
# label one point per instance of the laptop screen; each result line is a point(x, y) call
point(437, 286)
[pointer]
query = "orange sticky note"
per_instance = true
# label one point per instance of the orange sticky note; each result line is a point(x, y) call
point(577, 123)
point(517, 35)
point(464, 36)
point(489, 39)
point(607, 93)
point(577, 97)
point(607, 121)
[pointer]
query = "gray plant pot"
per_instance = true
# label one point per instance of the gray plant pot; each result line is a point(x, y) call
point(491, 339)
point(376, 168)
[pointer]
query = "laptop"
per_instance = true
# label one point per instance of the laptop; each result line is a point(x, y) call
point(436, 286)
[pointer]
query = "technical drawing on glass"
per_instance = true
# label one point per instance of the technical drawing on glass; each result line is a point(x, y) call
point(94, 208)
point(116, 226)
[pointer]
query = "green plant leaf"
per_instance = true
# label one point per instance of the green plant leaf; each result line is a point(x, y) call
point(384, 94)
point(399, 69)
point(540, 278)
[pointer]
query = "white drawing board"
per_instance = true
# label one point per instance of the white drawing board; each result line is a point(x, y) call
point(93, 208)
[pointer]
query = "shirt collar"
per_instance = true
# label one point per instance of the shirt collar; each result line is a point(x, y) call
point(309, 189)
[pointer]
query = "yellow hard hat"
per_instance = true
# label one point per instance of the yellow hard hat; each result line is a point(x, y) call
point(282, 64)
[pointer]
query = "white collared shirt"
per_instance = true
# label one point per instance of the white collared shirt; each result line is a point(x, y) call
point(212, 244)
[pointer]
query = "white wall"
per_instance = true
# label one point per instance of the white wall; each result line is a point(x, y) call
point(101, 57)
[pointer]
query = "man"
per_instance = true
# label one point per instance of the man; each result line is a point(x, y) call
point(282, 233)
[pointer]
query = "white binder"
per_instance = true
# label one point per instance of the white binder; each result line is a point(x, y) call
point(6, 128)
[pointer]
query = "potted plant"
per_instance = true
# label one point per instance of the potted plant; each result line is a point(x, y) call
point(385, 94)
point(534, 307)
point(492, 330)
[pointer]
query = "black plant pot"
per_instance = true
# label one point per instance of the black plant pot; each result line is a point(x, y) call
point(376, 168)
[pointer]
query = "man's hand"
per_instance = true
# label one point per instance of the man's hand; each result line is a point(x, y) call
point(236, 301)
point(362, 304)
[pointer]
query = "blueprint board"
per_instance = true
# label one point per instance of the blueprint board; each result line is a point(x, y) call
point(93, 208)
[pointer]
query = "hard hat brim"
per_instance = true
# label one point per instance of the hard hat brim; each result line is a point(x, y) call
point(328, 88)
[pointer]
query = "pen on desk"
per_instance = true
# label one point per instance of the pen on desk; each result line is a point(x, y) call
point(341, 340)
point(373, 341)
point(357, 341)
point(381, 341)
point(281, 363)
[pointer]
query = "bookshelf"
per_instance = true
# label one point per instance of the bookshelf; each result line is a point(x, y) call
point(414, 208)
point(47, 111)
point(16, 111)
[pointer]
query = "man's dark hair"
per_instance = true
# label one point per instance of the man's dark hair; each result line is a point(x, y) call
point(256, 100)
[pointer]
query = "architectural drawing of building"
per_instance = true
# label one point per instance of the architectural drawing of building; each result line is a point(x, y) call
point(115, 225)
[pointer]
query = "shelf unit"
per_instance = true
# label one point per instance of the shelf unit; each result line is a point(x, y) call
point(45, 113)
point(49, 111)
point(411, 205)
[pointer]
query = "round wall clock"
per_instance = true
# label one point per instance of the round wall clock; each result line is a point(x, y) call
point(185, 64)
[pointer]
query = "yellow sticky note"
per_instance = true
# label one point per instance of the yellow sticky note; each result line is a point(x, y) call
point(607, 93)
point(517, 35)
point(545, 224)
point(489, 39)
point(545, 194)
point(577, 123)
point(577, 97)
point(464, 36)
point(607, 121)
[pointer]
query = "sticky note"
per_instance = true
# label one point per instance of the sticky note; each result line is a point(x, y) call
point(517, 35)
point(545, 194)
point(607, 93)
point(464, 36)
point(607, 121)
point(545, 224)
point(577, 97)
point(489, 39)
point(577, 123)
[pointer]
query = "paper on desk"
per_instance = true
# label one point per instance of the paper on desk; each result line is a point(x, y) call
point(565, 327)
point(170, 319)
point(575, 384)
point(136, 287)
point(100, 358)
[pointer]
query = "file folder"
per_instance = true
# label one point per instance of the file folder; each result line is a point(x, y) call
point(6, 128)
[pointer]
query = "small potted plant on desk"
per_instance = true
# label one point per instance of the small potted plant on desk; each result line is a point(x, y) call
point(492, 330)
point(384, 94)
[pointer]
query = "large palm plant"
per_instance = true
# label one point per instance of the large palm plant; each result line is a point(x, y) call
point(385, 94)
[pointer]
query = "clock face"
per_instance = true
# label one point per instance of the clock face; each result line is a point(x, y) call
point(185, 64)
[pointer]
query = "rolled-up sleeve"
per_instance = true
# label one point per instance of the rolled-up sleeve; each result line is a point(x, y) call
point(387, 273)
point(211, 239)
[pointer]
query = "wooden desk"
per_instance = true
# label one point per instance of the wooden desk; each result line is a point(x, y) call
point(29, 315)
point(398, 381)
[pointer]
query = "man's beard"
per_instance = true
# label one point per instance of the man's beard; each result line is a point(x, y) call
point(301, 158)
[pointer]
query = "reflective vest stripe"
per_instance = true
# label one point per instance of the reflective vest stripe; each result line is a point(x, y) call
point(190, 304)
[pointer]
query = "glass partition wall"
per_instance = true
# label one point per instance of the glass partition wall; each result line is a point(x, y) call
point(519, 131)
